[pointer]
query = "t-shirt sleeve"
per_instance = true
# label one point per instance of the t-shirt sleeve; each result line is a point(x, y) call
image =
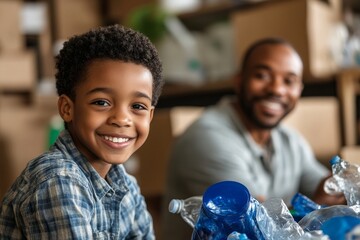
point(313, 171)
point(202, 159)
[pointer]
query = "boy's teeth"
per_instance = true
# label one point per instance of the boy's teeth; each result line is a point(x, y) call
point(115, 139)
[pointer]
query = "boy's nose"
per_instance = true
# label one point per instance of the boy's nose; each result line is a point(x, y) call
point(120, 119)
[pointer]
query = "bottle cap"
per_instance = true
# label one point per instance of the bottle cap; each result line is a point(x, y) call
point(175, 206)
point(226, 199)
point(335, 160)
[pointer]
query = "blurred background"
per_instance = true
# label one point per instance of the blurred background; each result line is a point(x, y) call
point(200, 43)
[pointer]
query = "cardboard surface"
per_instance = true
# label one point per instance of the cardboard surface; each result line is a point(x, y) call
point(18, 71)
point(318, 120)
point(23, 136)
point(150, 161)
point(75, 17)
point(306, 24)
point(11, 38)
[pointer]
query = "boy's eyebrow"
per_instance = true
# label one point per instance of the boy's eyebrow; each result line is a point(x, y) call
point(109, 90)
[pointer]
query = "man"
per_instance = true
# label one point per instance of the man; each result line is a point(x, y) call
point(241, 138)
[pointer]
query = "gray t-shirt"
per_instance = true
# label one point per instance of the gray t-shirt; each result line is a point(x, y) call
point(217, 147)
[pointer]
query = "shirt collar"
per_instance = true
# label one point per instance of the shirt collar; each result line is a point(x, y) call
point(115, 182)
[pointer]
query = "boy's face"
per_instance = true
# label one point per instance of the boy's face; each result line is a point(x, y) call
point(110, 117)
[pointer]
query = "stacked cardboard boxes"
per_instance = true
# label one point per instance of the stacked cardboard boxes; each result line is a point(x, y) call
point(17, 64)
point(306, 24)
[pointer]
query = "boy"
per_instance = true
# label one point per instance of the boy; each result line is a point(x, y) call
point(108, 81)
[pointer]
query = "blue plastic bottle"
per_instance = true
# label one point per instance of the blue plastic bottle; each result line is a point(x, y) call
point(227, 207)
point(302, 205)
point(339, 227)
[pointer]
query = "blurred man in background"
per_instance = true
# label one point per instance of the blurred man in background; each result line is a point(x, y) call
point(242, 139)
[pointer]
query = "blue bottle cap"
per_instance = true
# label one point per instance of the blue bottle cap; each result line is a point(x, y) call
point(335, 160)
point(226, 199)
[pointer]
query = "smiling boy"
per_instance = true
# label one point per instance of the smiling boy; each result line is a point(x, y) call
point(108, 81)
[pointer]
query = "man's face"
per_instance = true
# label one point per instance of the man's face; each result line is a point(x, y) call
point(271, 84)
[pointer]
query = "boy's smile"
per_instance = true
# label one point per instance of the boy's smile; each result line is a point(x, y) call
point(111, 114)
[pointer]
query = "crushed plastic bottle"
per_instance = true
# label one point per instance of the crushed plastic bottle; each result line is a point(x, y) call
point(276, 222)
point(189, 208)
point(237, 236)
point(339, 227)
point(315, 220)
point(345, 179)
point(302, 206)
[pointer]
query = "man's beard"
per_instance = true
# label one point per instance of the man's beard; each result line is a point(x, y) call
point(249, 113)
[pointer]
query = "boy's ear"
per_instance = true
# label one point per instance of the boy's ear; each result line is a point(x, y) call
point(152, 113)
point(65, 108)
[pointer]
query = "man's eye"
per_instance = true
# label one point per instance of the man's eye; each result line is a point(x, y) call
point(262, 75)
point(290, 81)
point(101, 103)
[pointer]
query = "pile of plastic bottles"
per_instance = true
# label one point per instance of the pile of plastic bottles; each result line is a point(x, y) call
point(227, 211)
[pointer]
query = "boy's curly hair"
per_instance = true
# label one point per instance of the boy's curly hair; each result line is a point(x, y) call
point(112, 42)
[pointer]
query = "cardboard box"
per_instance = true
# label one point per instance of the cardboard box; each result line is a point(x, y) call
point(23, 136)
point(75, 17)
point(18, 71)
point(11, 38)
point(306, 24)
point(118, 11)
point(149, 163)
point(318, 120)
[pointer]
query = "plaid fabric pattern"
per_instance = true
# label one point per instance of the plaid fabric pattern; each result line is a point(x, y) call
point(60, 196)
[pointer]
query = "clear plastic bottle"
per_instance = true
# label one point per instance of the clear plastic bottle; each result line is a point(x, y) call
point(189, 208)
point(276, 222)
point(345, 179)
point(315, 220)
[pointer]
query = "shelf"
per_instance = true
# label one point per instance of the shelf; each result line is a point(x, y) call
point(175, 90)
point(208, 14)
point(190, 95)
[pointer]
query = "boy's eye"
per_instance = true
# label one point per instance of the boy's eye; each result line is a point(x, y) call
point(139, 106)
point(101, 103)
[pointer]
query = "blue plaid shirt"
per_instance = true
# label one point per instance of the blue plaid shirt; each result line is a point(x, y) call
point(60, 196)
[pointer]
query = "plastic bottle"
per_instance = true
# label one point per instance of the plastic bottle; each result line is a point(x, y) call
point(189, 208)
point(340, 227)
point(276, 222)
point(315, 220)
point(227, 206)
point(237, 236)
point(345, 179)
point(302, 206)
